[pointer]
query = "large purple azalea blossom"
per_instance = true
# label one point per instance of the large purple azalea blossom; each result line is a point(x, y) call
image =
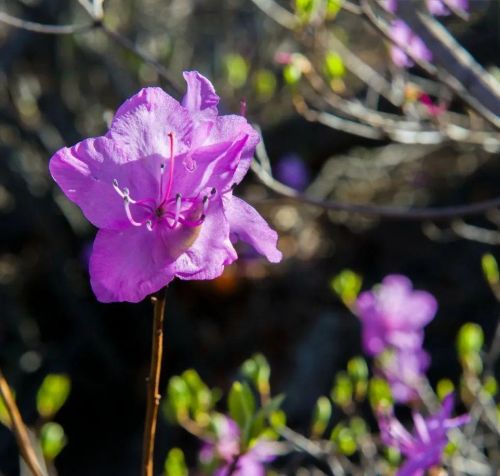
point(408, 46)
point(159, 187)
point(404, 370)
point(227, 448)
point(393, 315)
point(424, 447)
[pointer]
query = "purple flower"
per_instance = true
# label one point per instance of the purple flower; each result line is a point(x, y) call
point(404, 371)
point(408, 46)
point(441, 7)
point(292, 171)
point(390, 5)
point(227, 448)
point(159, 187)
point(393, 315)
point(424, 447)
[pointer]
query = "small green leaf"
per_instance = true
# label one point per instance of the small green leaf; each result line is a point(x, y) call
point(344, 439)
point(178, 400)
point(304, 8)
point(380, 394)
point(4, 414)
point(342, 390)
point(52, 394)
point(175, 463)
point(333, 7)
point(392, 455)
point(236, 70)
point(470, 339)
point(321, 417)
point(277, 419)
point(265, 84)
point(490, 385)
point(334, 66)
point(444, 387)
point(241, 403)
point(291, 74)
point(490, 269)
point(52, 440)
point(358, 427)
point(347, 285)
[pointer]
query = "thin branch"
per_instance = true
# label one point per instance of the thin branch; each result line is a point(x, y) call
point(23, 440)
point(397, 213)
point(46, 29)
point(153, 383)
point(129, 45)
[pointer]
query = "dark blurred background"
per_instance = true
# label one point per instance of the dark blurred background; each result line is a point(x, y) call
point(56, 90)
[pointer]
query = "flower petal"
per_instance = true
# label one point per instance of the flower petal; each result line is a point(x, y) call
point(129, 265)
point(247, 225)
point(142, 124)
point(200, 94)
point(85, 173)
point(211, 251)
point(230, 128)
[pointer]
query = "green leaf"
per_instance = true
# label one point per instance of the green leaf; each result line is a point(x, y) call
point(358, 427)
point(4, 414)
point(342, 390)
point(347, 285)
point(444, 387)
point(490, 269)
point(265, 84)
point(52, 440)
point(379, 393)
point(490, 385)
point(257, 370)
point(344, 439)
point(333, 7)
point(304, 8)
point(52, 394)
point(201, 401)
point(470, 339)
point(236, 70)
point(277, 419)
point(291, 74)
point(175, 463)
point(241, 405)
point(178, 402)
point(334, 65)
point(321, 416)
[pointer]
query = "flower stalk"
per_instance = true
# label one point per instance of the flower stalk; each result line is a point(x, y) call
point(153, 384)
point(26, 449)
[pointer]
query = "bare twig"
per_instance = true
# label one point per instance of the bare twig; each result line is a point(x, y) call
point(46, 29)
point(23, 440)
point(417, 214)
point(153, 395)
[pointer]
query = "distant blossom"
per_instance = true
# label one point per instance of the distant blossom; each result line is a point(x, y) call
point(227, 448)
point(408, 46)
point(393, 315)
point(292, 171)
point(404, 370)
point(442, 7)
point(159, 186)
point(423, 448)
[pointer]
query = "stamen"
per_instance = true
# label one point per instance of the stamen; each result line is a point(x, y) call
point(213, 191)
point(149, 225)
point(171, 165)
point(129, 213)
point(178, 203)
point(192, 224)
point(205, 204)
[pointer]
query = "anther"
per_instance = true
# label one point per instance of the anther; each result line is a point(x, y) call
point(213, 191)
point(205, 203)
point(149, 225)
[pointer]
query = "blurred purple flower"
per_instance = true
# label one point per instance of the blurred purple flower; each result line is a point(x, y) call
point(292, 171)
point(393, 315)
point(227, 448)
point(404, 371)
point(424, 447)
point(391, 5)
point(159, 187)
point(442, 7)
point(408, 46)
